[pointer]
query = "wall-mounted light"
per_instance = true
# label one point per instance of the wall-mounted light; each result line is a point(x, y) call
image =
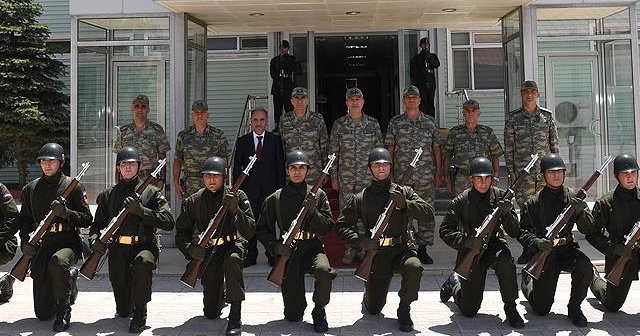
point(352, 13)
point(449, 10)
point(256, 14)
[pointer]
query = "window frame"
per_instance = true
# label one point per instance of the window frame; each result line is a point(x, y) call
point(470, 48)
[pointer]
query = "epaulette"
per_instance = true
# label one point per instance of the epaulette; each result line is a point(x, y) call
point(542, 109)
point(515, 111)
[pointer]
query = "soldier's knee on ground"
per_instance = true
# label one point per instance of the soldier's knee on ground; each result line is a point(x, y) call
point(469, 310)
point(541, 309)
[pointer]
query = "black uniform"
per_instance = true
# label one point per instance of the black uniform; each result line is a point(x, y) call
point(466, 213)
point(61, 247)
point(283, 69)
point(538, 213)
point(278, 212)
point(134, 251)
point(8, 240)
point(614, 215)
point(396, 255)
point(226, 253)
point(423, 75)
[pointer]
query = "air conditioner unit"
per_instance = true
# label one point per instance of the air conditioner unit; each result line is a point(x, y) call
point(574, 114)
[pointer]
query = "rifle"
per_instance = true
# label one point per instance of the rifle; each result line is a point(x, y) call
point(535, 267)
point(276, 275)
point(20, 269)
point(190, 275)
point(88, 269)
point(364, 270)
point(465, 267)
point(615, 274)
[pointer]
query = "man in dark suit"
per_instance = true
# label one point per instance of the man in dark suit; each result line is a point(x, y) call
point(267, 174)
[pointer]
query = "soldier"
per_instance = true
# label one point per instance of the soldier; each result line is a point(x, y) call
point(278, 212)
point(134, 252)
point(283, 69)
point(8, 241)
point(52, 271)
point(193, 146)
point(394, 252)
point(305, 130)
point(613, 217)
point(225, 252)
point(147, 136)
point(406, 132)
point(353, 136)
point(422, 70)
point(458, 230)
point(528, 130)
point(538, 213)
point(466, 142)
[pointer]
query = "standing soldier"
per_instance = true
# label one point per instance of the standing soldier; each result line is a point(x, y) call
point(305, 130)
point(458, 230)
point(225, 252)
point(422, 71)
point(278, 212)
point(406, 132)
point(134, 251)
point(193, 146)
point(538, 213)
point(8, 241)
point(353, 136)
point(145, 135)
point(466, 142)
point(613, 216)
point(394, 252)
point(283, 69)
point(52, 271)
point(528, 130)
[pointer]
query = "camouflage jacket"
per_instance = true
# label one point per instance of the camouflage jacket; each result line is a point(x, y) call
point(464, 146)
point(193, 148)
point(308, 134)
point(150, 142)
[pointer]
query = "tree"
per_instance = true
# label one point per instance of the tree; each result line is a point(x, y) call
point(33, 108)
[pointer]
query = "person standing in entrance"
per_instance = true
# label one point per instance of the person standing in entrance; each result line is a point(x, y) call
point(422, 70)
point(528, 130)
point(283, 69)
point(406, 132)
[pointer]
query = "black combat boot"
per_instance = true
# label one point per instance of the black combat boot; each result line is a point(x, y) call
point(423, 255)
point(320, 324)
point(74, 284)
point(6, 287)
point(446, 291)
point(234, 326)
point(577, 317)
point(404, 318)
point(513, 317)
point(139, 320)
point(63, 316)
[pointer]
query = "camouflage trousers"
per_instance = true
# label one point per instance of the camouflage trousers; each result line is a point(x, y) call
point(531, 184)
point(346, 191)
point(461, 184)
point(192, 184)
point(424, 232)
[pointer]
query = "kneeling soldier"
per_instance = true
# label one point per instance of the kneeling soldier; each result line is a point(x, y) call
point(226, 251)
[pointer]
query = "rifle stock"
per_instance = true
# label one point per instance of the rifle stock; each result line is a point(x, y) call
point(276, 275)
point(20, 269)
point(615, 274)
point(190, 275)
point(364, 269)
point(88, 268)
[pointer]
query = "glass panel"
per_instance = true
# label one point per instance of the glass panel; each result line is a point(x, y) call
point(300, 51)
point(487, 38)
point(411, 48)
point(565, 27)
point(195, 79)
point(134, 79)
point(196, 34)
point(248, 43)
point(89, 32)
point(617, 23)
point(222, 43)
point(514, 73)
point(142, 51)
point(488, 64)
point(565, 46)
point(124, 29)
point(461, 69)
point(511, 24)
point(460, 39)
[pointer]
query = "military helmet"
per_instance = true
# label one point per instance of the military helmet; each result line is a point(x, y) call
point(480, 166)
point(214, 165)
point(624, 163)
point(552, 161)
point(379, 155)
point(128, 154)
point(297, 157)
point(51, 151)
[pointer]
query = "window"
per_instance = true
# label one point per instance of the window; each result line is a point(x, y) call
point(477, 61)
point(237, 43)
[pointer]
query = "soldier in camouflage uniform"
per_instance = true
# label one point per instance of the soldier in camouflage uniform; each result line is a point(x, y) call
point(407, 132)
point(528, 130)
point(466, 142)
point(305, 130)
point(193, 146)
point(353, 136)
point(146, 136)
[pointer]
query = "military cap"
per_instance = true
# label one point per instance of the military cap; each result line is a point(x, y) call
point(284, 44)
point(299, 91)
point(141, 98)
point(354, 91)
point(471, 103)
point(529, 85)
point(424, 40)
point(199, 105)
point(411, 90)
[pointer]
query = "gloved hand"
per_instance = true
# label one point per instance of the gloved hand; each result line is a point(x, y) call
point(473, 243)
point(98, 247)
point(543, 244)
point(505, 205)
point(231, 199)
point(399, 198)
point(195, 251)
point(281, 249)
point(134, 206)
point(59, 209)
point(28, 249)
point(623, 251)
point(578, 204)
point(369, 244)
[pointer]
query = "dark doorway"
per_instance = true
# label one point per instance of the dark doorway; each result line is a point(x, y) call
point(369, 62)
